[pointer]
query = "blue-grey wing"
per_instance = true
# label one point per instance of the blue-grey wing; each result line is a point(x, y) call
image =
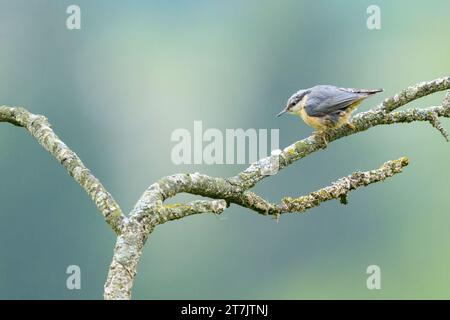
point(327, 100)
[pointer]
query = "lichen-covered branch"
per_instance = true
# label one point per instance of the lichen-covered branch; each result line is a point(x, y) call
point(177, 211)
point(145, 218)
point(40, 128)
point(151, 211)
point(343, 186)
point(123, 268)
point(250, 200)
point(446, 100)
point(381, 115)
point(414, 92)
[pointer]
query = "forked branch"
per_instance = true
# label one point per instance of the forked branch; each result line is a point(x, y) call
point(150, 211)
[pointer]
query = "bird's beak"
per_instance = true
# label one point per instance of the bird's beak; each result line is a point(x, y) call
point(282, 112)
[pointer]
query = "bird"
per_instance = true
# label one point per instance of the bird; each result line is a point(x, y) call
point(326, 107)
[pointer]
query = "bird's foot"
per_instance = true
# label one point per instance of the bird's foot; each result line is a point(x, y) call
point(351, 125)
point(323, 136)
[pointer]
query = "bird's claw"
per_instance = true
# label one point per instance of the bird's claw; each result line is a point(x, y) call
point(322, 135)
point(351, 125)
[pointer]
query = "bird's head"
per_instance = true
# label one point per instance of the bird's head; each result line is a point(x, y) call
point(292, 105)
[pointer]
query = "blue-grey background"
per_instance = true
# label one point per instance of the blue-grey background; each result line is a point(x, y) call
point(137, 70)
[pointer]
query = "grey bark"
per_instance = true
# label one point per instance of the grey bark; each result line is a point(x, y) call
point(150, 211)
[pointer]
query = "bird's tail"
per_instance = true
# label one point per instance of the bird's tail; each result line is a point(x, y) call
point(364, 91)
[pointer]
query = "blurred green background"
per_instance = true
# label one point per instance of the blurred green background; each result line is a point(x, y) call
point(137, 70)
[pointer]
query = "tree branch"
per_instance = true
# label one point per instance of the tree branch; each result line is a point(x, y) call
point(414, 92)
point(343, 186)
point(361, 122)
point(41, 130)
point(177, 211)
point(235, 189)
point(250, 200)
point(150, 210)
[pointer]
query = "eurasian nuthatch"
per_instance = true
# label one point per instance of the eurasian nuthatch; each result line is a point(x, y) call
point(326, 107)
